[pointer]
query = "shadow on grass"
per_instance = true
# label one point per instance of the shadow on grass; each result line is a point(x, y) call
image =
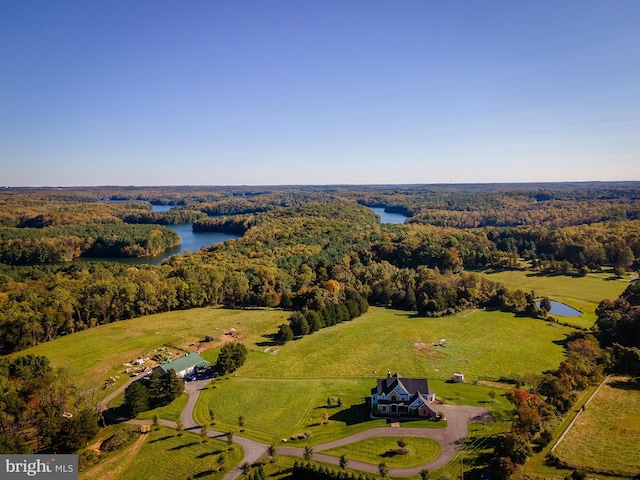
point(166, 437)
point(628, 385)
point(205, 473)
point(569, 338)
point(394, 453)
point(269, 342)
point(113, 416)
point(186, 445)
point(209, 454)
point(353, 415)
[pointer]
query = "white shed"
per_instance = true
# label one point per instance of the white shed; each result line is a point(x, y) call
point(458, 378)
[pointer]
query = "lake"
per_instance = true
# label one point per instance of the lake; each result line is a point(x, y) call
point(386, 217)
point(562, 309)
point(189, 240)
point(193, 241)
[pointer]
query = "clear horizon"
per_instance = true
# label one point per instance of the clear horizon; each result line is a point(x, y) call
point(321, 185)
point(258, 93)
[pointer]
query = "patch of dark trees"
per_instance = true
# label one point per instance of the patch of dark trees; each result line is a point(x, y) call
point(157, 391)
point(28, 246)
point(41, 410)
point(175, 216)
point(321, 314)
point(231, 357)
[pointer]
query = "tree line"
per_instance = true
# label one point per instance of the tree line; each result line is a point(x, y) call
point(613, 347)
point(286, 257)
point(295, 259)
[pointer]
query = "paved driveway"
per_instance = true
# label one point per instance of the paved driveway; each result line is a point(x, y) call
point(450, 438)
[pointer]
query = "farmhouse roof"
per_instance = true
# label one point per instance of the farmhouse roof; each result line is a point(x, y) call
point(183, 363)
point(411, 385)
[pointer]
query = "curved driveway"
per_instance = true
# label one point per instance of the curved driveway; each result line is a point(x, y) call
point(450, 438)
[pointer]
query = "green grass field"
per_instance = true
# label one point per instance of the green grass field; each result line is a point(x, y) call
point(581, 293)
point(375, 450)
point(93, 355)
point(476, 453)
point(479, 343)
point(168, 412)
point(165, 455)
point(606, 436)
point(276, 409)
point(284, 394)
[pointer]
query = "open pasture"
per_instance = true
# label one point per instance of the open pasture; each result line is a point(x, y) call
point(95, 354)
point(282, 390)
point(478, 343)
point(606, 436)
point(581, 293)
point(285, 393)
point(276, 409)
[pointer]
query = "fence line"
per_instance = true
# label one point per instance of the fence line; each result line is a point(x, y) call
point(579, 413)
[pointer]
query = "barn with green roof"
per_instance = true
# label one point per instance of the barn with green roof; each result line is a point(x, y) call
point(183, 366)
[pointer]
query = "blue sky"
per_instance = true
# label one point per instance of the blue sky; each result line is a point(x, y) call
point(154, 92)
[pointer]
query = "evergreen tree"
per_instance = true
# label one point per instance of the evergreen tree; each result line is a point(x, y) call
point(284, 335)
point(136, 398)
point(299, 325)
point(231, 357)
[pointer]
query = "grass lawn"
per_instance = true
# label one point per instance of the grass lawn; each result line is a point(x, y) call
point(606, 436)
point(93, 355)
point(344, 361)
point(165, 455)
point(581, 293)
point(479, 343)
point(376, 450)
point(168, 412)
point(289, 408)
point(476, 452)
point(296, 406)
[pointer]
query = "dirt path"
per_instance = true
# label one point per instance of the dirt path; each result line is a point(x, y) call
point(113, 466)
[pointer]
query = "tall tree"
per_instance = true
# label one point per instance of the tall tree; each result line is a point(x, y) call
point(231, 357)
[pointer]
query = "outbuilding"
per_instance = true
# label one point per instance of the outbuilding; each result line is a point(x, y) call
point(183, 366)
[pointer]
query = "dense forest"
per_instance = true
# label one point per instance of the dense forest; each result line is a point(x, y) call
point(302, 249)
point(318, 252)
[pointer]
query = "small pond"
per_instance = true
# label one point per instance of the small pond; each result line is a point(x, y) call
point(562, 309)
